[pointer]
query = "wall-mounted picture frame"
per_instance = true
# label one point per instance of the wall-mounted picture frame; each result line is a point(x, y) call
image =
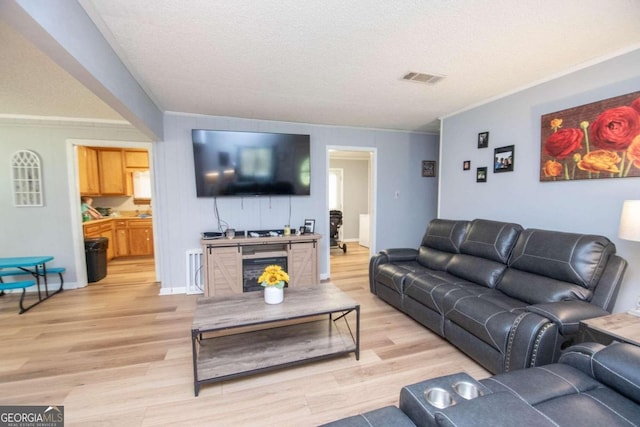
point(481, 174)
point(483, 139)
point(429, 168)
point(466, 165)
point(591, 141)
point(503, 159)
point(309, 226)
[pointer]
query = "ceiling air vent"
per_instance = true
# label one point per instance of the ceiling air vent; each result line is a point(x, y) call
point(422, 77)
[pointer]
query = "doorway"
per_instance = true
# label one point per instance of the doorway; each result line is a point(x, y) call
point(351, 189)
point(78, 234)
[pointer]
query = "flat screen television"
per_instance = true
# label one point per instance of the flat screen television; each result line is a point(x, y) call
point(229, 163)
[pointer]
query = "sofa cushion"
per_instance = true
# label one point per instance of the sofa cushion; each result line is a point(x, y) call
point(433, 258)
point(539, 384)
point(430, 288)
point(611, 367)
point(488, 316)
point(484, 251)
point(492, 240)
point(536, 289)
point(495, 409)
point(383, 417)
point(441, 240)
point(475, 269)
point(567, 395)
point(445, 235)
point(575, 258)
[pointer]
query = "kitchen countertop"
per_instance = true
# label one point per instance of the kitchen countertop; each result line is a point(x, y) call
point(126, 218)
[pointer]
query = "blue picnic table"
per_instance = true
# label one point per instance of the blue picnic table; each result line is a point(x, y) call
point(34, 266)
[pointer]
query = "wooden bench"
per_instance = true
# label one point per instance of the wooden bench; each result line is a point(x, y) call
point(24, 284)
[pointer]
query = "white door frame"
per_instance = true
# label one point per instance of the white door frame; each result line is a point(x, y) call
point(373, 190)
point(74, 204)
point(339, 172)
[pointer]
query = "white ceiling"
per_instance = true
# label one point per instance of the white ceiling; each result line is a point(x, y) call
point(328, 62)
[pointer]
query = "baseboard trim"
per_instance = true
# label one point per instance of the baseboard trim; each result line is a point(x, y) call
point(173, 291)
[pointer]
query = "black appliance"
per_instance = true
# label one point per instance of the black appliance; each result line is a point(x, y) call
point(229, 163)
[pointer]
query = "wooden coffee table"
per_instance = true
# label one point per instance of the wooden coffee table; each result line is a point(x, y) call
point(241, 335)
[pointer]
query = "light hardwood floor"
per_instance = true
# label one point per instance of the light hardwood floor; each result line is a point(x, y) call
point(116, 353)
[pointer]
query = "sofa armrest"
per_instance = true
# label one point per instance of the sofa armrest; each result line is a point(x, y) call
point(400, 254)
point(496, 409)
point(567, 314)
point(386, 256)
point(580, 355)
point(615, 365)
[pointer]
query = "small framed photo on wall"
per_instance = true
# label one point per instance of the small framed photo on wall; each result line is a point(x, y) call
point(481, 174)
point(483, 139)
point(466, 165)
point(429, 168)
point(503, 159)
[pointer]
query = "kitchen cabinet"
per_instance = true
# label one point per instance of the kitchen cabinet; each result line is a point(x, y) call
point(88, 171)
point(122, 238)
point(134, 236)
point(101, 228)
point(140, 237)
point(136, 159)
point(111, 171)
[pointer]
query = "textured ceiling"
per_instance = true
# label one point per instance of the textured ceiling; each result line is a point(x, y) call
point(340, 62)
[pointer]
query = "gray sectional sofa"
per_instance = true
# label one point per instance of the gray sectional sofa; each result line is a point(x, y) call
point(592, 385)
point(508, 297)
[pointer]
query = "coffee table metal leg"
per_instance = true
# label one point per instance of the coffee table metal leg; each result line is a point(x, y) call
point(357, 332)
point(196, 384)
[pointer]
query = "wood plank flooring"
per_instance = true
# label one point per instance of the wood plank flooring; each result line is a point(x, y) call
point(116, 353)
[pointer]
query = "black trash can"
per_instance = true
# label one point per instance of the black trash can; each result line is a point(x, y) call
point(95, 250)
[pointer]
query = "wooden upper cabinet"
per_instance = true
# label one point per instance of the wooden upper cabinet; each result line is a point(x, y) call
point(112, 175)
point(88, 171)
point(136, 159)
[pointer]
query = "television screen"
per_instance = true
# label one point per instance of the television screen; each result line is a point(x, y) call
point(229, 163)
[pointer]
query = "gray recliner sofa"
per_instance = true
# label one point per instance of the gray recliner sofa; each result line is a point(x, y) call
point(508, 297)
point(591, 385)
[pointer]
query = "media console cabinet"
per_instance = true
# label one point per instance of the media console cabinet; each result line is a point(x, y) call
point(232, 266)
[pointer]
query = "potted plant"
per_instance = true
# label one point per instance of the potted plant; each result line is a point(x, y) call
point(273, 279)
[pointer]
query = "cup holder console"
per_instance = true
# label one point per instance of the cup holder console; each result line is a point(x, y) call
point(467, 390)
point(439, 397)
point(422, 400)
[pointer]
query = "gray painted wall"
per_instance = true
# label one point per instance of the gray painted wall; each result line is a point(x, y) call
point(355, 194)
point(46, 230)
point(588, 206)
point(181, 216)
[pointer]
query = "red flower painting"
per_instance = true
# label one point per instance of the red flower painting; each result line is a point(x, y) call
point(593, 141)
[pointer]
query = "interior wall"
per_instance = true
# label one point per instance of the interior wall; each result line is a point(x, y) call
point(182, 217)
point(48, 229)
point(586, 206)
point(355, 194)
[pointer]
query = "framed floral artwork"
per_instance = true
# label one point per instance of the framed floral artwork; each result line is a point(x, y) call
point(592, 141)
